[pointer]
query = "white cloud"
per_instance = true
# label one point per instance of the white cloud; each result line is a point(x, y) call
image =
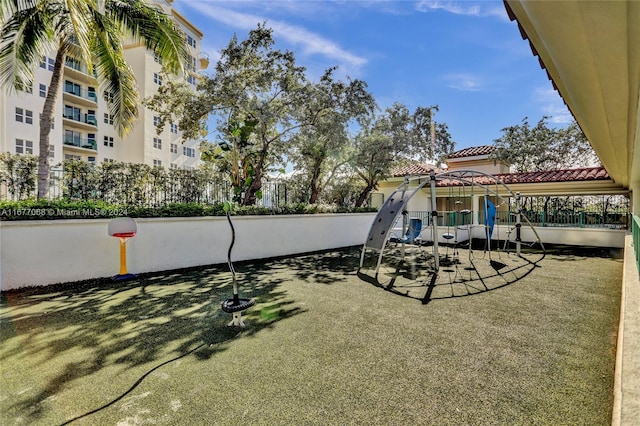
point(466, 82)
point(311, 43)
point(552, 105)
point(467, 8)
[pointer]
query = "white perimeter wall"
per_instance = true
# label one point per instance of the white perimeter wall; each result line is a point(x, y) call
point(597, 237)
point(45, 252)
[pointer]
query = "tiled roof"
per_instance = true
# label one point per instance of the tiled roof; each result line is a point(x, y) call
point(472, 151)
point(566, 175)
point(413, 169)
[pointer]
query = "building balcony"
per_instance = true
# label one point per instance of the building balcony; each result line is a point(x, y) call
point(82, 121)
point(81, 96)
point(80, 143)
point(78, 70)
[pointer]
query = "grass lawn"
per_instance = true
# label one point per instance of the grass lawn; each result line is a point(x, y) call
point(323, 345)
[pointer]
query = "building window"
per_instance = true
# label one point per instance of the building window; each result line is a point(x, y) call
point(190, 63)
point(108, 96)
point(192, 41)
point(72, 157)
point(108, 141)
point(24, 116)
point(108, 118)
point(189, 152)
point(174, 128)
point(108, 160)
point(173, 166)
point(73, 88)
point(157, 143)
point(71, 113)
point(47, 63)
point(52, 151)
point(174, 148)
point(24, 147)
point(156, 120)
point(157, 163)
point(157, 79)
point(191, 79)
point(43, 91)
point(72, 137)
point(157, 58)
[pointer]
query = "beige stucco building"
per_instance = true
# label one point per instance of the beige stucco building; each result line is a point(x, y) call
point(83, 128)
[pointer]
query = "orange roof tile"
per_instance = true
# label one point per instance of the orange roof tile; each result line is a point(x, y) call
point(413, 169)
point(472, 151)
point(565, 175)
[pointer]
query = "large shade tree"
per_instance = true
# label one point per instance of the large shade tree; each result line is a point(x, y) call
point(395, 137)
point(542, 147)
point(92, 31)
point(261, 100)
point(319, 151)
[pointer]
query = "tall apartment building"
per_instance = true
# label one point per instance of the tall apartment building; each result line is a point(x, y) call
point(83, 128)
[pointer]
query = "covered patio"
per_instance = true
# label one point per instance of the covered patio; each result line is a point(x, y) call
point(591, 52)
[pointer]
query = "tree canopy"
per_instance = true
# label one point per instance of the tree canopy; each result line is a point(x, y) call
point(541, 147)
point(396, 137)
point(264, 106)
point(268, 113)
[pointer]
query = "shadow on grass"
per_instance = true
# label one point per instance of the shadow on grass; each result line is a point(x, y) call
point(327, 267)
point(461, 272)
point(80, 329)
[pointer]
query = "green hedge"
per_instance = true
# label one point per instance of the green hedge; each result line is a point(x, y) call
point(66, 209)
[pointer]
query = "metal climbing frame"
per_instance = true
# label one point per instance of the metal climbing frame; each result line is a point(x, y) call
point(397, 202)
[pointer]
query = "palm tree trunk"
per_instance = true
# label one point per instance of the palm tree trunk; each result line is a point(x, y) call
point(46, 118)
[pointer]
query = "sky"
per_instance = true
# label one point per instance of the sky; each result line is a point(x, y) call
point(467, 57)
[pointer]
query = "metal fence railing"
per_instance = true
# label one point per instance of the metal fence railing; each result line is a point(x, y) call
point(578, 219)
point(181, 186)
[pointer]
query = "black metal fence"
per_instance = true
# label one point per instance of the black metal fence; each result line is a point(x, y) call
point(140, 186)
point(589, 211)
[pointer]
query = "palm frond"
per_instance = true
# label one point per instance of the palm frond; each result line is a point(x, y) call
point(24, 39)
point(116, 76)
point(73, 24)
point(152, 27)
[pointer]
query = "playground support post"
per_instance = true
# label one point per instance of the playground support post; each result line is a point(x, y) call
point(405, 223)
point(518, 224)
point(434, 218)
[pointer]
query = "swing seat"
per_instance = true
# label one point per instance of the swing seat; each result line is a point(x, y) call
point(448, 236)
point(237, 305)
point(412, 235)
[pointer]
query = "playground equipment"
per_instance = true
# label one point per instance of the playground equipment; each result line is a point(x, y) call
point(235, 305)
point(490, 187)
point(122, 228)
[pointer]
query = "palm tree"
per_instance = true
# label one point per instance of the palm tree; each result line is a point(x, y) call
point(91, 30)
